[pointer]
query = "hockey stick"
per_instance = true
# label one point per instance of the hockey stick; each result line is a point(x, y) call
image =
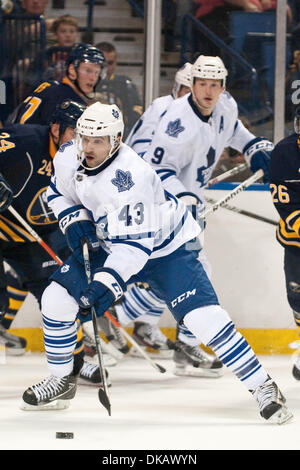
point(60, 263)
point(234, 171)
point(243, 212)
point(102, 392)
point(135, 344)
point(34, 235)
point(258, 174)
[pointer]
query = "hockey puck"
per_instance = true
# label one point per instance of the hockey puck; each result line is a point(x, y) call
point(64, 435)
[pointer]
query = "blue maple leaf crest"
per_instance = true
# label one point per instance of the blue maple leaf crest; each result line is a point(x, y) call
point(123, 180)
point(115, 113)
point(174, 128)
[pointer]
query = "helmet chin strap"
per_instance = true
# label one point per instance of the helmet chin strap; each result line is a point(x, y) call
point(110, 154)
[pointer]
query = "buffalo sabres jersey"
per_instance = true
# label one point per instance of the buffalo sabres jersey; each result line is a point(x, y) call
point(40, 105)
point(186, 145)
point(285, 190)
point(142, 133)
point(135, 217)
point(27, 153)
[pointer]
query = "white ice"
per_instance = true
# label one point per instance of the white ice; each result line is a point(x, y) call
point(150, 410)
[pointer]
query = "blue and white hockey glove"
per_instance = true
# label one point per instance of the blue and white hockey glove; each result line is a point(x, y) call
point(6, 194)
point(107, 287)
point(77, 226)
point(257, 154)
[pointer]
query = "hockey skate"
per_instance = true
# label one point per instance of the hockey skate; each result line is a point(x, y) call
point(52, 393)
point(90, 375)
point(271, 402)
point(117, 345)
point(91, 351)
point(193, 361)
point(296, 366)
point(155, 342)
point(14, 345)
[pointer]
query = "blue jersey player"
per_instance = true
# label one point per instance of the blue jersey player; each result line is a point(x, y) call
point(285, 190)
point(85, 66)
point(104, 193)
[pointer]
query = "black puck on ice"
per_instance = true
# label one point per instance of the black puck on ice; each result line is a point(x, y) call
point(64, 435)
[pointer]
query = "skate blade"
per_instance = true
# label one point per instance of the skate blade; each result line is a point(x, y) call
point(197, 372)
point(283, 415)
point(165, 354)
point(15, 352)
point(55, 405)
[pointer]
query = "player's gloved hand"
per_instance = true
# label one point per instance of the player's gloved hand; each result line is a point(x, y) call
point(76, 225)
point(107, 286)
point(4, 300)
point(6, 194)
point(257, 153)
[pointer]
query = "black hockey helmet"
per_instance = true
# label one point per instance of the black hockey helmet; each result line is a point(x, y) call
point(297, 120)
point(66, 114)
point(83, 52)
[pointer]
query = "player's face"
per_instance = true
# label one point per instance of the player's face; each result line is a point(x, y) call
point(95, 149)
point(66, 35)
point(206, 93)
point(184, 90)
point(69, 134)
point(87, 76)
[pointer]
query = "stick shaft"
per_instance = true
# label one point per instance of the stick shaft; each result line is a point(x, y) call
point(234, 171)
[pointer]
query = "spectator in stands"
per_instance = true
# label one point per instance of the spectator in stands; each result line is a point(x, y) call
point(214, 15)
point(65, 30)
point(119, 89)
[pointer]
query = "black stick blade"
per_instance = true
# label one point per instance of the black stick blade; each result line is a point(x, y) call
point(160, 368)
point(104, 400)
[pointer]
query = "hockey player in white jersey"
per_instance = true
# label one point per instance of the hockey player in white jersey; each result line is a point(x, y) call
point(142, 133)
point(185, 148)
point(103, 193)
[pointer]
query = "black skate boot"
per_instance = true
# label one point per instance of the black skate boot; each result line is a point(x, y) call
point(151, 337)
point(271, 402)
point(53, 393)
point(193, 361)
point(90, 375)
point(14, 345)
point(90, 349)
point(118, 346)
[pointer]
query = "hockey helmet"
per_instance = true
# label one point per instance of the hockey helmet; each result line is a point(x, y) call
point(87, 53)
point(100, 120)
point(182, 78)
point(67, 114)
point(209, 67)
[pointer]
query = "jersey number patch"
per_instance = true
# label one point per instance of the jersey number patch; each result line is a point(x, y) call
point(137, 216)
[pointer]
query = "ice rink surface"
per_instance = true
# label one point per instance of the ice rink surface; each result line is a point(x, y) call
point(150, 410)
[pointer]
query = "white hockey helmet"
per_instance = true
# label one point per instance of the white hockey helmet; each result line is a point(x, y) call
point(209, 67)
point(182, 78)
point(100, 120)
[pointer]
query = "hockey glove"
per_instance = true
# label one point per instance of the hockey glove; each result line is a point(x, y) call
point(6, 194)
point(107, 286)
point(77, 227)
point(257, 153)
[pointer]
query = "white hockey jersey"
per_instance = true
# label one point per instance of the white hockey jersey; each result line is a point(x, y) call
point(135, 217)
point(186, 146)
point(141, 135)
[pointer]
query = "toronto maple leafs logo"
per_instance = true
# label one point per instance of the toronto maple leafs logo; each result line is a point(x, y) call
point(123, 180)
point(174, 128)
point(115, 113)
